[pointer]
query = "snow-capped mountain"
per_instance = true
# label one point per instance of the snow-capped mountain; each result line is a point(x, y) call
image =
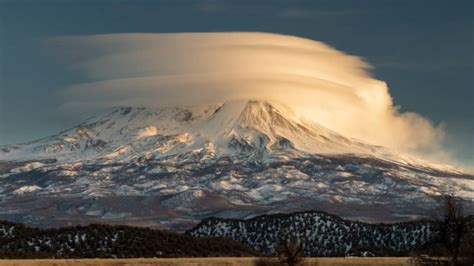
point(228, 129)
point(173, 166)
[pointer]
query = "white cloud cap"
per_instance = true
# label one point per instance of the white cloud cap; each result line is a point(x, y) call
point(316, 80)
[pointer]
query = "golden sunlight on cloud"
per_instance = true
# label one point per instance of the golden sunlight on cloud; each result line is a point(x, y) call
point(317, 81)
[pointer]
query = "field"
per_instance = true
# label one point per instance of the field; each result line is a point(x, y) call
point(389, 261)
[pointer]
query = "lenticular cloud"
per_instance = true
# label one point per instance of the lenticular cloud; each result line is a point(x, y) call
point(319, 82)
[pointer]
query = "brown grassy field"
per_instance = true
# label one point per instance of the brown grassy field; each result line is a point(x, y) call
point(389, 261)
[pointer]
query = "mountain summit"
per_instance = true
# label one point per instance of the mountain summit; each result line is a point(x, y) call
point(173, 166)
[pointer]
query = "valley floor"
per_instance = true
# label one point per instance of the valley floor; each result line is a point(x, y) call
point(388, 261)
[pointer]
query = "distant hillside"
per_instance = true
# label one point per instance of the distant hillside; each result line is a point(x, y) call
point(109, 241)
point(323, 234)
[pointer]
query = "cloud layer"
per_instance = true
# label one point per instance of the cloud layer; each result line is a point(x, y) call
point(316, 80)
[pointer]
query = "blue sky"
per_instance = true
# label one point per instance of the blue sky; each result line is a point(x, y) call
point(422, 49)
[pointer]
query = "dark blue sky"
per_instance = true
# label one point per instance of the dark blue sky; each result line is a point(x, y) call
point(422, 49)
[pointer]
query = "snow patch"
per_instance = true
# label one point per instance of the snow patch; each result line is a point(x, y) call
point(26, 189)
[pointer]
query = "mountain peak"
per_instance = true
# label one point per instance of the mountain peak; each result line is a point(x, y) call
point(258, 126)
point(259, 113)
point(255, 156)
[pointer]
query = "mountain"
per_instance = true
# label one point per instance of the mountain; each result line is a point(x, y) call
point(322, 234)
point(228, 129)
point(171, 167)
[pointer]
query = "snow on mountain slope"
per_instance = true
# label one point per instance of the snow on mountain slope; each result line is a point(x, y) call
point(114, 132)
point(226, 129)
point(235, 159)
